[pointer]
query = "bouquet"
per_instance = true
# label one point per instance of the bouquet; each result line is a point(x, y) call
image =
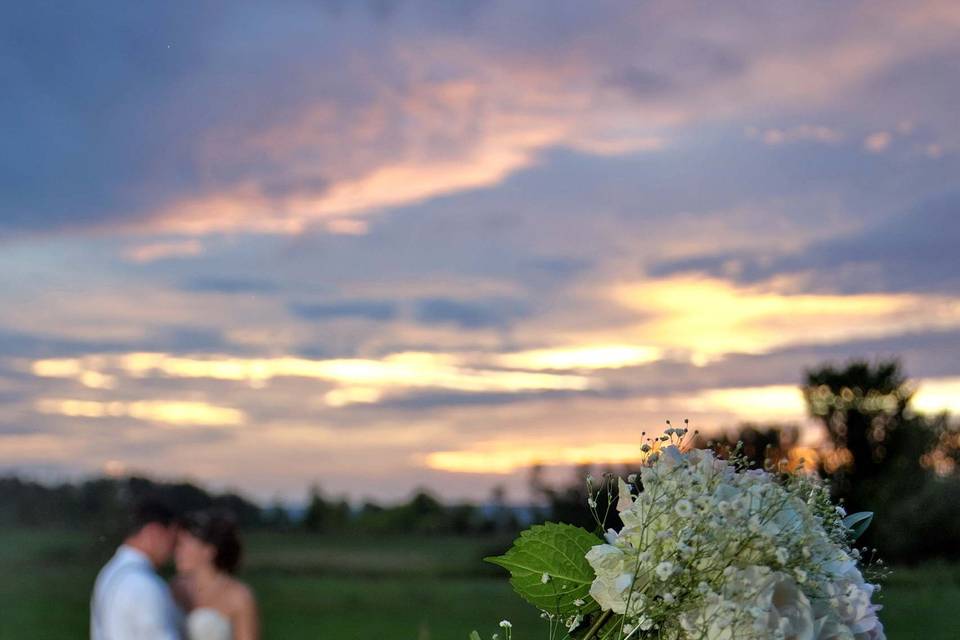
point(708, 549)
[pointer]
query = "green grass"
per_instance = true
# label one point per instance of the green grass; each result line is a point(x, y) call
point(346, 587)
point(922, 603)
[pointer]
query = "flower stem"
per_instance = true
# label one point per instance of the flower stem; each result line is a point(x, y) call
point(602, 620)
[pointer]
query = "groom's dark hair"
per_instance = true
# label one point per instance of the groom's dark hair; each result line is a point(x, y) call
point(150, 510)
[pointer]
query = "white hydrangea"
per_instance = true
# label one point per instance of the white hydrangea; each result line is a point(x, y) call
point(847, 603)
point(755, 604)
point(612, 594)
point(739, 554)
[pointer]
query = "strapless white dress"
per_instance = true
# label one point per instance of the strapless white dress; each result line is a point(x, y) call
point(208, 624)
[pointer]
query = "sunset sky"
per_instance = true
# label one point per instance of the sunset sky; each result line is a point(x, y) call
point(381, 245)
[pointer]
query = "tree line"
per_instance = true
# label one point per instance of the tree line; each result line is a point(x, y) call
point(104, 505)
point(877, 453)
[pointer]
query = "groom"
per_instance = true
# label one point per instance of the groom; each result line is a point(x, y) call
point(130, 601)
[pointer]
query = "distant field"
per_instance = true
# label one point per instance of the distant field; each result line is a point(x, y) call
point(313, 588)
point(309, 587)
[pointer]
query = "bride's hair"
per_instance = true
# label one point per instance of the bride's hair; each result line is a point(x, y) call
point(219, 530)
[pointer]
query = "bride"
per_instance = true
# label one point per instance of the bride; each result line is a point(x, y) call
point(218, 606)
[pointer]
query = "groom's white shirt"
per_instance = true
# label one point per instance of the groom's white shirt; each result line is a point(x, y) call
point(131, 602)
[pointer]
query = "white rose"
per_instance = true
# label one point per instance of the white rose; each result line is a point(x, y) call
point(790, 611)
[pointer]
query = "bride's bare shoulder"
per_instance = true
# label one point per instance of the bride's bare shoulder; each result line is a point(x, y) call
point(244, 615)
point(240, 595)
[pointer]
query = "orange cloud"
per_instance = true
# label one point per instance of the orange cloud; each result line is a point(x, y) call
point(585, 357)
point(172, 413)
point(361, 380)
point(709, 317)
point(507, 456)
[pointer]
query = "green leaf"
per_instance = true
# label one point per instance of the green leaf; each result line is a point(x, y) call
point(557, 550)
point(474, 635)
point(857, 523)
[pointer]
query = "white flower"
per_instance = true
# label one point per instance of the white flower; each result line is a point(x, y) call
point(848, 602)
point(608, 563)
point(683, 508)
point(829, 628)
point(790, 610)
point(505, 624)
point(623, 582)
point(670, 457)
point(755, 605)
point(615, 579)
point(750, 555)
point(626, 500)
point(604, 558)
point(664, 570)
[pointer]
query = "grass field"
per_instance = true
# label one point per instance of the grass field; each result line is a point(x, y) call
point(405, 588)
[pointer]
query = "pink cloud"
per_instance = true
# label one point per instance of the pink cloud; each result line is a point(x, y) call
point(153, 251)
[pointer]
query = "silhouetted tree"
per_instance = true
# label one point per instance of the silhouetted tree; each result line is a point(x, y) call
point(316, 517)
point(882, 457)
point(502, 518)
point(863, 408)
